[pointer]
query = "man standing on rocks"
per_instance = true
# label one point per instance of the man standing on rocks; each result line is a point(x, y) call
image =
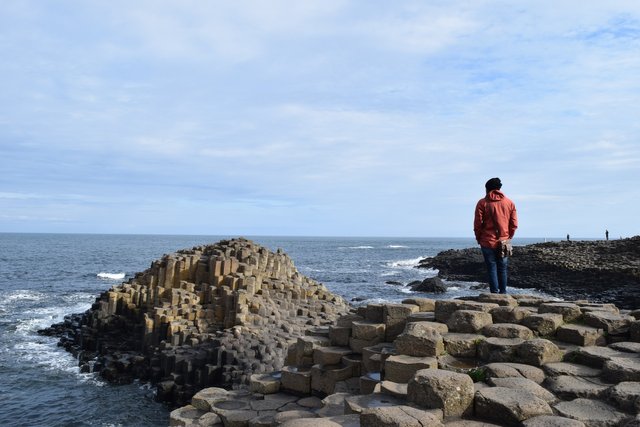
point(495, 220)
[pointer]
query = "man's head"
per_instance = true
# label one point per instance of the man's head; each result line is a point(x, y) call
point(493, 184)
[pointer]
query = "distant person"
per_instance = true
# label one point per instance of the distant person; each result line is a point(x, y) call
point(495, 220)
point(606, 234)
point(568, 238)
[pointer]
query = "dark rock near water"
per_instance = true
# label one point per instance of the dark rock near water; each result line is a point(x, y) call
point(393, 282)
point(433, 285)
point(603, 271)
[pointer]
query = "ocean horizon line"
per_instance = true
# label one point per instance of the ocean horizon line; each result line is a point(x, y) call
point(301, 236)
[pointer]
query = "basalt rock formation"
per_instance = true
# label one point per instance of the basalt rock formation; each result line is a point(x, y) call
point(486, 360)
point(603, 271)
point(207, 316)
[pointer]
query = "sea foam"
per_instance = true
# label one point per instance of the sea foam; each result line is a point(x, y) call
point(112, 276)
point(406, 263)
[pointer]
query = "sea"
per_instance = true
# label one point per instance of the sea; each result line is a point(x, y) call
point(44, 277)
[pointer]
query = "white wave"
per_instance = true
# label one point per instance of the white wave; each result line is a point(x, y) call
point(19, 295)
point(43, 317)
point(112, 276)
point(45, 354)
point(405, 263)
point(390, 273)
point(360, 247)
point(397, 246)
point(79, 298)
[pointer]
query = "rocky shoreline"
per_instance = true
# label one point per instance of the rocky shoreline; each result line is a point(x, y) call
point(601, 271)
point(210, 315)
point(234, 335)
point(490, 360)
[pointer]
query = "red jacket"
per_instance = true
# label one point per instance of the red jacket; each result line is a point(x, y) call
point(494, 212)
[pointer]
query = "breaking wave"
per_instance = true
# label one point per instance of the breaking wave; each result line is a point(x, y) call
point(112, 276)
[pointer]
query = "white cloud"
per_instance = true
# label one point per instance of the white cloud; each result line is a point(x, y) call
point(203, 31)
point(419, 32)
point(323, 103)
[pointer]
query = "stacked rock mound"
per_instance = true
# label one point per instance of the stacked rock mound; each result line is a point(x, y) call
point(211, 315)
point(481, 361)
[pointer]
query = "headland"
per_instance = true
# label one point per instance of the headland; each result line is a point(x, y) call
point(602, 271)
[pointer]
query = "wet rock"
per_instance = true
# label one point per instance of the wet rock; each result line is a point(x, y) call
point(432, 285)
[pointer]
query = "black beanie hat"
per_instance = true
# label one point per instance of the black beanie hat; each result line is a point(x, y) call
point(493, 184)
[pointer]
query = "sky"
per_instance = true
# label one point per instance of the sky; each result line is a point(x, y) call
point(319, 117)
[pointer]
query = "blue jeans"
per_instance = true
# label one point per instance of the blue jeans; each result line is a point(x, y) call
point(497, 269)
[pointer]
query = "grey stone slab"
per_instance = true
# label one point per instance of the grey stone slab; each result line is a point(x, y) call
point(509, 406)
point(525, 384)
point(594, 413)
point(566, 368)
point(569, 387)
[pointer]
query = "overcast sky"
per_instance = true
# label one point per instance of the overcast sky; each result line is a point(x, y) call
point(328, 117)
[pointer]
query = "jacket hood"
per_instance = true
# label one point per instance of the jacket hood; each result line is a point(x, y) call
point(495, 195)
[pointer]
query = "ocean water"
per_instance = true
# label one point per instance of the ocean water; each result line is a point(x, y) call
point(44, 277)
